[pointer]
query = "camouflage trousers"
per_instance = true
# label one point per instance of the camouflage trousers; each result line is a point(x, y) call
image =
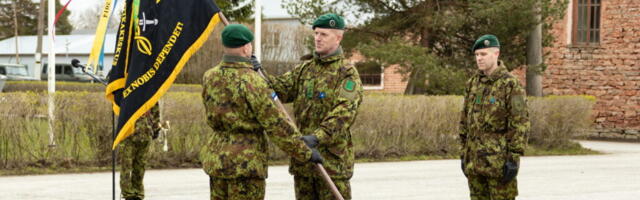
point(314, 188)
point(132, 157)
point(484, 188)
point(237, 189)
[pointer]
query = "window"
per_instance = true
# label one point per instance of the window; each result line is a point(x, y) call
point(14, 70)
point(371, 74)
point(586, 18)
point(63, 69)
point(67, 70)
point(371, 79)
point(58, 69)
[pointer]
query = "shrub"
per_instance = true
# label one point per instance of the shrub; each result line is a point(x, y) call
point(78, 129)
point(387, 126)
point(557, 119)
point(41, 86)
point(391, 126)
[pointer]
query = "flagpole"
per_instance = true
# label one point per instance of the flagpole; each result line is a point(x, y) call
point(51, 66)
point(113, 155)
point(319, 167)
point(258, 28)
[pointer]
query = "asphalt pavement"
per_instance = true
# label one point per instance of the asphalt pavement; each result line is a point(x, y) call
point(614, 175)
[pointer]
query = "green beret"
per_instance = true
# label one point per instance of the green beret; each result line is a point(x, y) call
point(236, 35)
point(486, 41)
point(332, 21)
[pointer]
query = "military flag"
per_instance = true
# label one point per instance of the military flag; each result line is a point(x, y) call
point(155, 40)
point(101, 31)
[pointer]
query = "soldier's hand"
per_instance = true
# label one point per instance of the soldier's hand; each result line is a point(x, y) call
point(315, 156)
point(510, 171)
point(310, 140)
point(256, 64)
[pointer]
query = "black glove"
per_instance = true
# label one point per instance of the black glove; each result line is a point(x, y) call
point(510, 171)
point(256, 64)
point(315, 156)
point(310, 140)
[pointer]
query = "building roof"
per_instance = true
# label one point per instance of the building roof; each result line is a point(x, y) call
point(65, 44)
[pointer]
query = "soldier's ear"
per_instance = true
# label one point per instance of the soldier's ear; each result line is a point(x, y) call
point(248, 49)
point(339, 34)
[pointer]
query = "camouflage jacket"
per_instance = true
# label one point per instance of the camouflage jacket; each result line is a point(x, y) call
point(326, 93)
point(494, 122)
point(242, 115)
point(147, 125)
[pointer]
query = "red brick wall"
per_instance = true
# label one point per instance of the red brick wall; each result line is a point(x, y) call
point(521, 74)
point(610, 71)
point(393, 81)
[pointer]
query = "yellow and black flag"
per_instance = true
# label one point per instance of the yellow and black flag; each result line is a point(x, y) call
point(155, 40)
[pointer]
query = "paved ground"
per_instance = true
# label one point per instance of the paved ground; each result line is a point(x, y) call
point(614, 176)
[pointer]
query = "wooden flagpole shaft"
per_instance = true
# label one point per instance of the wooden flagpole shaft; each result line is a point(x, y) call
point(329, 182)
point(223, 19)
point(277, 101)
point(319, 166)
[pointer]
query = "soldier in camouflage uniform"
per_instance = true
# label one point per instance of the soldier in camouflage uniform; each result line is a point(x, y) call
point(326, 92)
point(133, 154)
point(494, 126)
point(242, 115)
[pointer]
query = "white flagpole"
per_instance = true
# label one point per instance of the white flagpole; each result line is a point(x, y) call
point(258, 29)
point(51, 72)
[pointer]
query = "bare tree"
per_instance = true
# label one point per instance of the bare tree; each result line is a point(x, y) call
point(89, 18)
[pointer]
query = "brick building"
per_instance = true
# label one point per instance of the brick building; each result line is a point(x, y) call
point(597, 52)
point(387, 80)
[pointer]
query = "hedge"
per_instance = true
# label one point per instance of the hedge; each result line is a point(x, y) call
point(387, 127)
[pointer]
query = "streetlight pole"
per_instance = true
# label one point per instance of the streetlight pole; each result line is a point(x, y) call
point(51, 71)
point(258, 29)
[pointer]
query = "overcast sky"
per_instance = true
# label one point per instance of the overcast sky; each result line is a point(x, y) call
point(271, 8)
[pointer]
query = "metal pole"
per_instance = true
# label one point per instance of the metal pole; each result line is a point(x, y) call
point(534, 58)
point(76, 63)
point(258, 28)
point(113, 155)
point(38, 55)
point(51, 71)
point(15, 22)
point(319, 167)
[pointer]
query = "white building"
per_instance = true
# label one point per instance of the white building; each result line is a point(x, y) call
point(67, 47)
